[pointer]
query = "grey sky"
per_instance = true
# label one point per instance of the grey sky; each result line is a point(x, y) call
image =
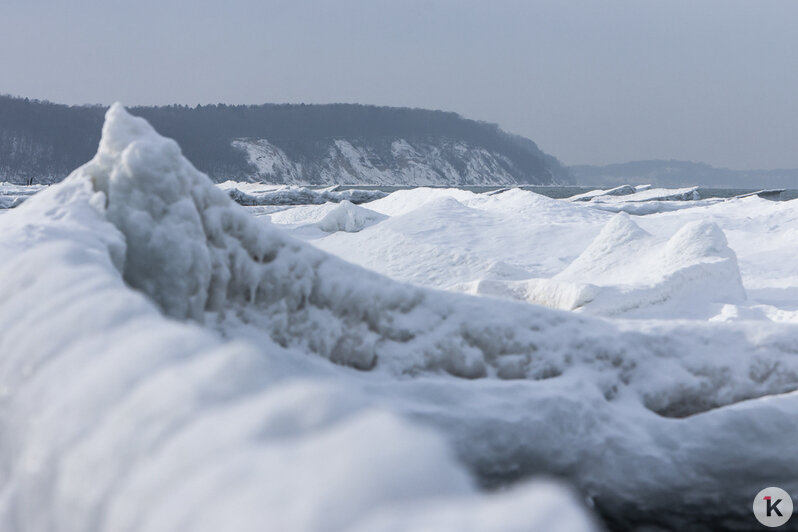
point(590, 81)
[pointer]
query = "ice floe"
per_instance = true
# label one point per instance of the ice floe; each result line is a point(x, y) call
point(252, 194)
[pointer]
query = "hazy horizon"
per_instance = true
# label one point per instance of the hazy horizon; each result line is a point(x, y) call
point(591, 82)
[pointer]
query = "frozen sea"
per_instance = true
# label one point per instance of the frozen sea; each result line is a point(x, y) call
point(365, 359)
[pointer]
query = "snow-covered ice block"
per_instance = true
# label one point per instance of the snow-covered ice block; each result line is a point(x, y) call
point(121, 419)
point(349, 217)
point(251, 194)
point(626, 271)
point(649, 194)
point(622, 190)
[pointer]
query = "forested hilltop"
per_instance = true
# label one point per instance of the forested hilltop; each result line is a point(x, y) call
point(281, 143)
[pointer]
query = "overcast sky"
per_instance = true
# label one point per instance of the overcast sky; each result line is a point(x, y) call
point(590, 81)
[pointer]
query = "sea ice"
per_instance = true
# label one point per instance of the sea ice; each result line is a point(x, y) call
point(171, 362)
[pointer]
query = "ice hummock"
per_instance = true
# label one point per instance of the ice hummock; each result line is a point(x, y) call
point(252, 194)
point(626, 271)
point(630, 194)
point(643, 199)
point(348, 217)
point(120, 418)
point(621, 190)
point(228, 412)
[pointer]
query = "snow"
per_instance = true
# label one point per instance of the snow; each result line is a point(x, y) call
point(642, 208)
point(12, 195)
point(271, 162)
point(404, 201)
point(680, 273)
point(121, 419)
point(354, 161)
point(349, 217)
point(203, 369)
point(445, 237)
point(626, 193)
point(643, 199)
point(622, 190)
point(627, 271)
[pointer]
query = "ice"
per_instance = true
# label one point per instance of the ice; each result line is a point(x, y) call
point(349, 217)
point(12, 195)
point(643, 199)
point(622, 190)
point(121, 419)
point(446, 237)
point(296, 216)
point(405, 201)
point(532, 207)
point(626, 193)
point(627, 271)
point(171, 362)
point(250, 194)
point(486, 515)
point(316, 221)
point(7, 202)
point(643, 208)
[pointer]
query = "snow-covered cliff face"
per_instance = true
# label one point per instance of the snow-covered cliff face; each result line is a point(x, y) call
point(389, 162)
point(285, 144)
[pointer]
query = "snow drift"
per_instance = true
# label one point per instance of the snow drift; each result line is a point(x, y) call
point(626, 271)
point(348, 217)
point(443, 238)
point(185, 379)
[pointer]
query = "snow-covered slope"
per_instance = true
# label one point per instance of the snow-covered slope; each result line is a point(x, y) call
point(348, 217)
point(445, 237)
point(285, 144)
point(405, 162)
point(199, 371)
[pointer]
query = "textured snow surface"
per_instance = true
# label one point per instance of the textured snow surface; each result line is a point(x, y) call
point(172, 362)
point(121, 419)
point(626, 271)
point(348, 217)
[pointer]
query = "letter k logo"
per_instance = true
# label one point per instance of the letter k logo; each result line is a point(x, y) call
point(772, 506)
